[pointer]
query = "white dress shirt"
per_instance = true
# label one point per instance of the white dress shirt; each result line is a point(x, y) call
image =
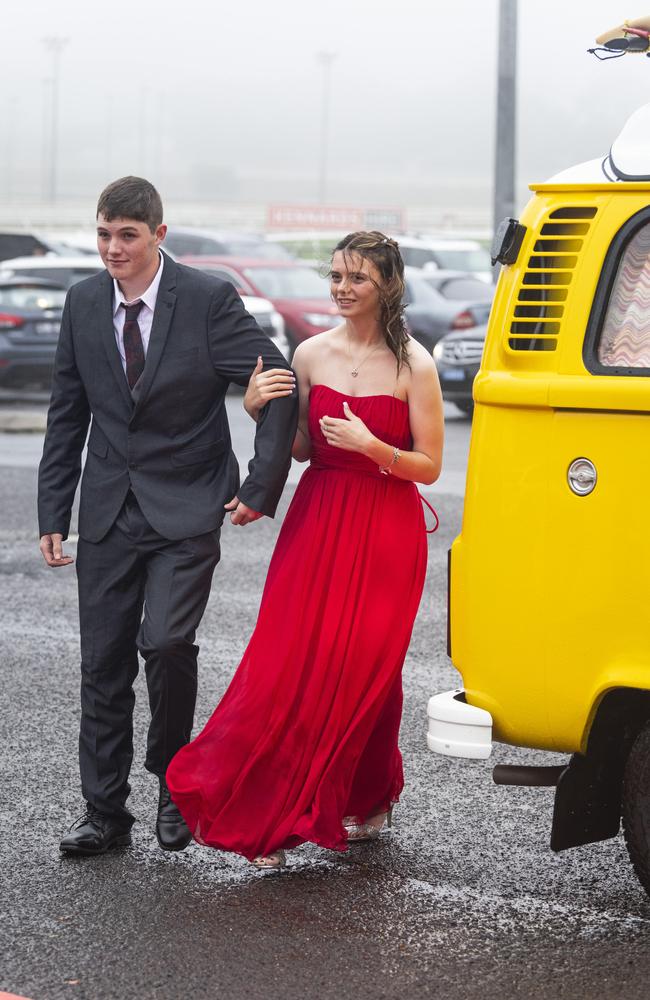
point(145, 316)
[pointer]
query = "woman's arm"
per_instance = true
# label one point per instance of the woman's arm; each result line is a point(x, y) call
point(423, 464)
point(263, 386)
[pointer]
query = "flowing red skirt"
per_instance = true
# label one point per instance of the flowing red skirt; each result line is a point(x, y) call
point(307, 730)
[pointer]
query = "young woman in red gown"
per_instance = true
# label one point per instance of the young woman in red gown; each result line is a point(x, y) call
point(303, 745)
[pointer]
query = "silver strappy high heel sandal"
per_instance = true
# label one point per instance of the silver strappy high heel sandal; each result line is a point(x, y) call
point(270, 862)
point(358, 832)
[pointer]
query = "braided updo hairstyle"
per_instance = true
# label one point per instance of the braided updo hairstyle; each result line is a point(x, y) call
point(384, 253)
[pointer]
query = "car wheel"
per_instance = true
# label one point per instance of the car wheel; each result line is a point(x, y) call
point(636, 806)
point(466, 407)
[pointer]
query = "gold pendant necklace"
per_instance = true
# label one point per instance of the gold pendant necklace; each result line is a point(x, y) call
point(355, 370)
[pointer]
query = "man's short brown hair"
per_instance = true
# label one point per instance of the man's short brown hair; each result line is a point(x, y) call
point(131, 198)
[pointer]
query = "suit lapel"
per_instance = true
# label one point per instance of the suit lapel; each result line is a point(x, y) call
point(162, 318)
point(107, 332)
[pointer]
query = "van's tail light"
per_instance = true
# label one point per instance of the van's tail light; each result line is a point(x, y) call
point(9, 322)
point(463, 320)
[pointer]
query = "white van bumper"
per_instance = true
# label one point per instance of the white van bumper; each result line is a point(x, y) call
point(457, 729)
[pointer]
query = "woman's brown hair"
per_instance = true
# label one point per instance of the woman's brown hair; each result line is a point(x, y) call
point(384, 253)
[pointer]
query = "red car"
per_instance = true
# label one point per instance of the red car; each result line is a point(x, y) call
point(297, 291)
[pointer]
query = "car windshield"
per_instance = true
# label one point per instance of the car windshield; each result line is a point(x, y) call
point(462, 288)
point(463, 260)
point(30, 297)
point(288, 282)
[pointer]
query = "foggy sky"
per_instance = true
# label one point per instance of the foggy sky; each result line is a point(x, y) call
point(222, 100)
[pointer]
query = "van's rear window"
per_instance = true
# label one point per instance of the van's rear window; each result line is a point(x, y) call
point(625, 336)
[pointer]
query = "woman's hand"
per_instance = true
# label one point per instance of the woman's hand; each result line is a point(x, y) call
point(240, 513)
point(349, 433)
point(265, 386)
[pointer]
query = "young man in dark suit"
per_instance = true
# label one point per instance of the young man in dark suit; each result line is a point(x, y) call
point(146, 353)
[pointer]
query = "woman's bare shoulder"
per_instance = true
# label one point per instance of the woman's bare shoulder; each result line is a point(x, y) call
point(316, 347)
point(421, 377)
point(420, 360)
point(319, 342)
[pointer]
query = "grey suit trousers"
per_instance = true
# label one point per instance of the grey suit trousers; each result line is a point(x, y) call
point(138, 592)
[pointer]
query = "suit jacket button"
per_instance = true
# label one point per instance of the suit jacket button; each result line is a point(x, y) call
point(133, 465)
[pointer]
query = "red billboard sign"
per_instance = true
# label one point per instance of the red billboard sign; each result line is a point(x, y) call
point(334, 217)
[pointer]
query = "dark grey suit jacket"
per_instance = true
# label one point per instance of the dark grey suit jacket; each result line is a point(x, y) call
point(171, 446)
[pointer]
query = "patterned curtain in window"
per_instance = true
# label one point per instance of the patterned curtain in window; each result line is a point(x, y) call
point(625, 339)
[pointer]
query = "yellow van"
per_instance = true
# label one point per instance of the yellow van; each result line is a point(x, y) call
point(549, 579)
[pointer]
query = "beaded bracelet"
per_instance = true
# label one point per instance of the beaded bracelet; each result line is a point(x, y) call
point(386, 470)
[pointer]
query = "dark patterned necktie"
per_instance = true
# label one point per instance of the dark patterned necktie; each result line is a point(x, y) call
point(132, 340)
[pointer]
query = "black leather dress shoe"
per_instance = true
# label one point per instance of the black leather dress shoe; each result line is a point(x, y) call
point(171, 829)
point(95, 833)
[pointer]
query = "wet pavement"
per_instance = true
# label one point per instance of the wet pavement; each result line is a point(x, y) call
point(464, 900)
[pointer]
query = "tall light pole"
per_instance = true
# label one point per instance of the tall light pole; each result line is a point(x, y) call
point(158, 135)
point(108, 132)
point(142, 131)
point(55, 45)
point(10, 115)
point(45, 137)
point(504, 160)
point(325, 59)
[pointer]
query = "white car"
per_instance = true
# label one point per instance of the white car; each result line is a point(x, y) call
point(269, 320)
point(65, 271)
point(433, 253)
point(74, 241)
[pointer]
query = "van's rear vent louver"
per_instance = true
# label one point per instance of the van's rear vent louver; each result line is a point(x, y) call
point(536, 322)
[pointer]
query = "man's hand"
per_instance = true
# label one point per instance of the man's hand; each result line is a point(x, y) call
point(52, 548)
point(240, 513)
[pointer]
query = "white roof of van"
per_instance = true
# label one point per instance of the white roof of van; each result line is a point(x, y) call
point(627, 160)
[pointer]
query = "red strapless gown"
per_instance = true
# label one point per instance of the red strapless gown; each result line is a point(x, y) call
point(307, 731)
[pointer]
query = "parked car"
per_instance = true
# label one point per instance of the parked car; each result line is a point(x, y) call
point(64, 271)
point(184, 241)
point(269, 320)
point(30, 318)
point(297, 291)
point(435, 253)
point(459, 286)
point(28, 338)
point(22, 243)
point(430, 314)
point(71, 242)
point(458, 359)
